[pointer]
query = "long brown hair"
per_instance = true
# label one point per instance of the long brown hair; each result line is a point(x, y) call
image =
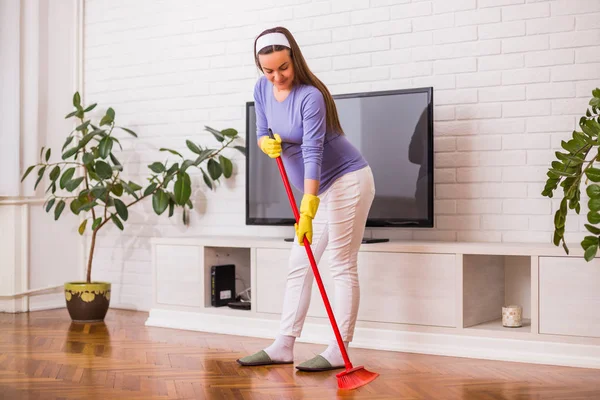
point(303, 75)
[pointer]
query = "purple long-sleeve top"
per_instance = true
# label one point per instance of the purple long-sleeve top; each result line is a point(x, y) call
point(308, 150)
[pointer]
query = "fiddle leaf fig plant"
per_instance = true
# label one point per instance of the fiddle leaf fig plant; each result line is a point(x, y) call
point(575, 166)
point(89, 177)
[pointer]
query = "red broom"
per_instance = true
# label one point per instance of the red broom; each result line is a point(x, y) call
point(352, 377)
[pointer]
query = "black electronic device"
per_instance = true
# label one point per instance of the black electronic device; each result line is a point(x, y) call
point(222, 283)
point(394, 132)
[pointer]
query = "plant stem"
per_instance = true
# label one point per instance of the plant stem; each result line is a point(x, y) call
point(91, 256)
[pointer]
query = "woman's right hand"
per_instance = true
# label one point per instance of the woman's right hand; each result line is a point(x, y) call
point(271, 147)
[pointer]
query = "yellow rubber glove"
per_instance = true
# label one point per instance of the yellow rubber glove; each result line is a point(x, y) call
point(308, 210)
point(271, 147)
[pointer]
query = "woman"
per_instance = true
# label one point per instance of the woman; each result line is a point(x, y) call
point(338, 191)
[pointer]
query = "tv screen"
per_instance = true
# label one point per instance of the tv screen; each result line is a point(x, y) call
point(394, 132)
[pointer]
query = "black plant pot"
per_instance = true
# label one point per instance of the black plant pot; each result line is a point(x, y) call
point(87, 302)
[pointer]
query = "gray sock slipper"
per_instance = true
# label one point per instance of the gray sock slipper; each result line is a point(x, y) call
point(259, 358)
point(317, 364)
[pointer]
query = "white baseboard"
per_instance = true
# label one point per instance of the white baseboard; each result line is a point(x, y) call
point(51, 305)
point(536, 352)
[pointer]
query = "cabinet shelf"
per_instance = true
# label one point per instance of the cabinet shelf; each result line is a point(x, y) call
point(496, 325)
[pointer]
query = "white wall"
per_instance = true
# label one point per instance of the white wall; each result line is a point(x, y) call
point(511, 78)
point(39, 252)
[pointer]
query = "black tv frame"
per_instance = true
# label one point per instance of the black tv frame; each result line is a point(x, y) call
point(387, 223)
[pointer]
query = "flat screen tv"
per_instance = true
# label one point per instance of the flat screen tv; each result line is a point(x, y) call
point(394, 132)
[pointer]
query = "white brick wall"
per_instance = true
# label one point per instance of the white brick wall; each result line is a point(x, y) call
point(511, 78)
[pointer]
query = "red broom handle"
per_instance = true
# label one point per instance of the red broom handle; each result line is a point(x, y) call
point(313, 263)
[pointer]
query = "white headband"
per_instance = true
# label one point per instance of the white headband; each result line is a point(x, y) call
point(271, 39)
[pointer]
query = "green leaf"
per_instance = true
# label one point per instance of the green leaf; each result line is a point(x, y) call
point(48, 153)
point(217, 134)
point(96, 223)
point(241, 149)
point(40, 176)
point(590, 127)
point(87, 207)
point(573, 160)
point(117, 189)
point(171, 208)
point(105, 146)
point(83, 126)
point(75, 206)
point(593, 191)
point(556, 238)
point(214, 169)
point(594, 204)
point(183, 189)
point(570, 146)
point(230, 132)
point(129, 189)
point(88, 159)
point(593, 174)
point(593, 217)
point(132, 133)
point(67, 142)
point(108, 118)
point(561, 173)
point(193, 147)
point(116, 162)
point(121, 209)
point(103, 170)
point(203, 156)
point(99, 192)
point(77, 100)
point(589, 241)
point(160, 201)
point(72, 184)
point(559, 219)
point(592, 229)
point(55, 173)
point(59, 209)
point(87, 137)
point(581, 138)
point(117, 221)
point(50, 204)
point(563, 206)
point(157, 167)
point(70, 152)
point(90, 108)
point(226, 165)
point(82, 227)
point(150, 189)
point(27, 172)
point(185, 165)
point(117, 141)
point(206, 178)
point(172, 151)
point(71, 114)
point(134, 186)
point(590, 253)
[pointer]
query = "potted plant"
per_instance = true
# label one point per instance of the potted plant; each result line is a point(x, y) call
point(88, 181)
point(573, 168)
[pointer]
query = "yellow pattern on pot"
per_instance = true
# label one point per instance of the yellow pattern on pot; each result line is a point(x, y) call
point(87, 291)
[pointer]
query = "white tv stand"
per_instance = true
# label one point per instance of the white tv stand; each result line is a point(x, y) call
point(440, 298)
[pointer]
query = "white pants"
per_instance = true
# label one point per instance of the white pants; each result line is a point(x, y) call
point(339, 225)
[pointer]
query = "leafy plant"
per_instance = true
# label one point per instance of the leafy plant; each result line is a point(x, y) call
point(582, 151)
point(89, 177)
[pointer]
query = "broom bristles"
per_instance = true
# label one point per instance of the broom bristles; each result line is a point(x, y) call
point(355, 378)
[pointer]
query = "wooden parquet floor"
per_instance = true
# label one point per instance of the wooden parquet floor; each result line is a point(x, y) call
point(45, 356)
